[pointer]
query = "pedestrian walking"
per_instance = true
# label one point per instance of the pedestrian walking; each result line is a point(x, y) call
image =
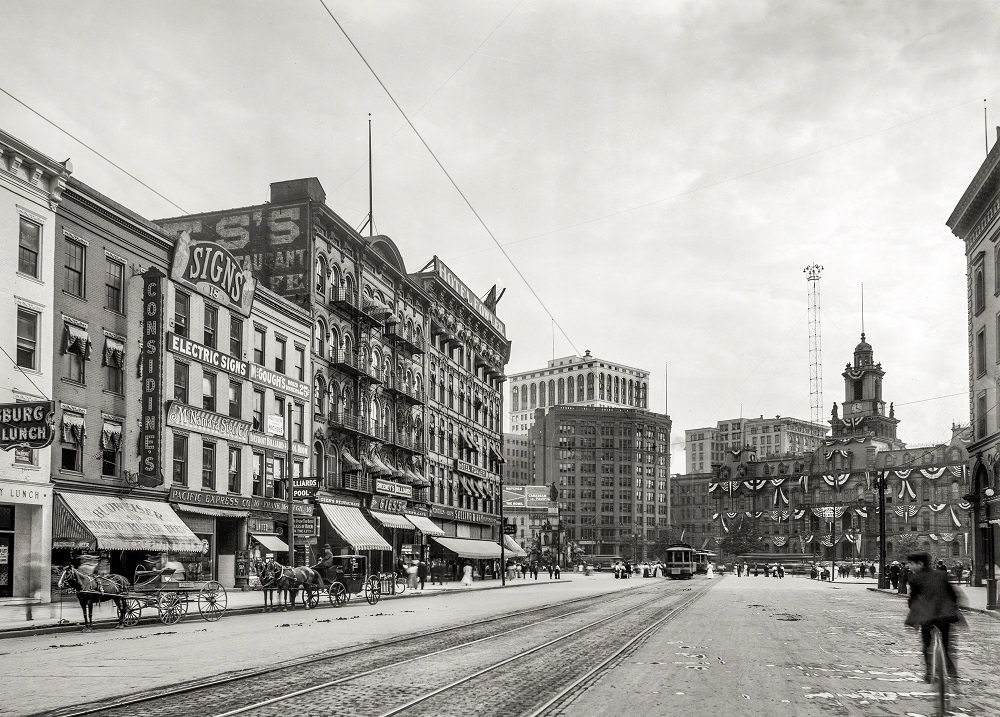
point(411, 575)
point(555, 570)
point(894, 571)
point(781, 571)
point(421, 573)
point(549, 566)
point(467, 575)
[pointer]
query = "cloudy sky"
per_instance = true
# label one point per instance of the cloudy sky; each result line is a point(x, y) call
point(660, 173)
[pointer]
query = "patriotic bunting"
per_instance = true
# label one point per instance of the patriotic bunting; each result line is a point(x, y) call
point(954, 518)
point(799, 514)
point(779, 495)
point(712, 487)
point(804, 483)
point(964, 505)
point(780, 540)
point(947, 537)
point(829, 512)
point(836, 480)
point(755, 484)
point(861, 512)
point(777, 481)
point(904, 485)
point(905, 511)
point(937, 507)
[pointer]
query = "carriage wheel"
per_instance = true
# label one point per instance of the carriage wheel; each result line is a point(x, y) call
point(212, 601)
point(172, 607)
point(372, 591)
point(312, 596)
point(337, 593)
point(132, 612)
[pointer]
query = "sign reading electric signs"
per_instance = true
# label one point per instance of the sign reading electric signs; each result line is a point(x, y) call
point(208, 268)
point(26, 425)
point(150, 368)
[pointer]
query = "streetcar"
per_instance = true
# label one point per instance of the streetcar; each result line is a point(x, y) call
point(702, 558)
point(680, 561)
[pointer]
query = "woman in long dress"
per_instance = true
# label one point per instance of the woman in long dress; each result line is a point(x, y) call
point(710, 572)
point(467, 575)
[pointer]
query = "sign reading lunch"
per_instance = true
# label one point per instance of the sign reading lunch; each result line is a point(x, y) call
point(26, 425)
point(209, 268)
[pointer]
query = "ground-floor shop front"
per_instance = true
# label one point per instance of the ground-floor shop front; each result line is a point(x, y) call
point(25, 541)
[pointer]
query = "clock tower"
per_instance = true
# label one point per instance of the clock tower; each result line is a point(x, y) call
point(864, 410)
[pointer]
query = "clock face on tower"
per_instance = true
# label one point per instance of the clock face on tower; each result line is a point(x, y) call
point(856, 408)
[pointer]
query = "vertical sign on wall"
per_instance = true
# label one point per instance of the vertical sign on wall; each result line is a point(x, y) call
point(150, 471)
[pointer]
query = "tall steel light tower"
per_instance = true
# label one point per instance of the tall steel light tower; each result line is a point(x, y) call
point(812, 273)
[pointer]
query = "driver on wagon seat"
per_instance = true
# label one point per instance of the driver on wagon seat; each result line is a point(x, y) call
point(326, 562)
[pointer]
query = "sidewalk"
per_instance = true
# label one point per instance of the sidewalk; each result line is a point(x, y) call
point(66, 615)
point(970, 598)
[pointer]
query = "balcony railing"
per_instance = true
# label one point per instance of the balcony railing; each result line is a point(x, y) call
point(347, 361)
point(399, 385)
point(412, 339)
point(343, 299)
point(349, 421)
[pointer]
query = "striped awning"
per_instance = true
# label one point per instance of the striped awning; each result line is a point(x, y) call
point(391, 520)
point(271, 543)
point(127, 524)
point(513, 549)
point(425, 525)
point(467, 548)
point(216, 512)
point(351, 525)
point(350, 462)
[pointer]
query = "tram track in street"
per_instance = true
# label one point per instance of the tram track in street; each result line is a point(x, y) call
point(236, 691)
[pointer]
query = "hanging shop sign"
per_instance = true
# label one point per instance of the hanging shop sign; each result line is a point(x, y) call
point(27, 425)
point(384, 504)
point(151, 394)
point(211, 270)
point(304, 488)
point(388, 486)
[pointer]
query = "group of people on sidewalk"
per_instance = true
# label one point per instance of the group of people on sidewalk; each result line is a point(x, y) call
point(774, 570)
point(525, 569)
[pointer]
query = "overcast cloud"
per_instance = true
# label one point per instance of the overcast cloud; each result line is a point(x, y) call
point(661, 172)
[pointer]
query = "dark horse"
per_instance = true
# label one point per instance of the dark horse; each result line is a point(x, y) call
point(295, 579)
point(270, 571)
point(92, 588)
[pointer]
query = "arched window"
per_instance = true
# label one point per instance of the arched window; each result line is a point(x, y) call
point(562, 392)
point(318, 459)
point(980, 290)
point(590, 387)
point(524, 397)
point(319, 394)
point(348, 345)
point(601, 387)
point(570, 390)
point(321, 275)
point(552, 392)
point(617, 392)
point(541, 394)
point(631, 393)
point(334, 346)
point(955, 490)
point(515, 403)
point(319, 337)
point(534, 396)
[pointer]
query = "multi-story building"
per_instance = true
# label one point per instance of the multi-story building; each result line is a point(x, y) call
point(518, 468)
point(534, 515)
point(465, 374)
point(372, 321)
point(692, 510)
point(976, 221)
point(179, 453)
point(611, 467)
point(705, 447)
point(575, 380)
point(31, 189)
point(825, 504)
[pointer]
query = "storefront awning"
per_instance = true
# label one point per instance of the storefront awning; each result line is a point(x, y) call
point(496, 456)
point(425, 525)
point(467, 548)
point(128, 524)
point(417, 479)
point(215, 512)
point(391, 520)
point(513, 549)
point(351, 525)
point(350, 462)
point(271, 543)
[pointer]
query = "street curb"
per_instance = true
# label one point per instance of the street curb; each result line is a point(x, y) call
point(965, 608)
point(108, 623)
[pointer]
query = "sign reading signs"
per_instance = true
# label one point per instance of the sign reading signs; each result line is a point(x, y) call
point(272, 240)
point(208, 268)
point(26, 425)
point(150, 473)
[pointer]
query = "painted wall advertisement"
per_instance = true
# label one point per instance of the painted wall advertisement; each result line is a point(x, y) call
point(211, 270)
point(150, 472)
point(271, 242)
point(526, 496)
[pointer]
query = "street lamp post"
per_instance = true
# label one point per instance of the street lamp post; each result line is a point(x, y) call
point(991, 568)
point(836, 500)
point(883, 577)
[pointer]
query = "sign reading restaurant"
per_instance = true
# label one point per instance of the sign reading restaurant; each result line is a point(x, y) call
point(26, 425)
point(209, 268)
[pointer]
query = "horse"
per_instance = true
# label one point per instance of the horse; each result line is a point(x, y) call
point(270, 571)
point(294, 579)
point(92, 588)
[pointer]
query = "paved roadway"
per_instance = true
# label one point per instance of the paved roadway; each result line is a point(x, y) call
point(751, 646)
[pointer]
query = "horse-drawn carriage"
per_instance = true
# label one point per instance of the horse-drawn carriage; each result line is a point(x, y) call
point(170, 597)
point(152, 588)
point(346, 575)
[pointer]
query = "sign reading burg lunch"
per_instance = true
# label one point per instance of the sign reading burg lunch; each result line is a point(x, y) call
point(211, 270)
point(26, 425)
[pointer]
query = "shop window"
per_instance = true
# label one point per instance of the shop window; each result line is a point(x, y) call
point(208, 466)
point(234, 470)
point(29, 247)
point(180, 474)
point(182, 310)
point(211, 326)
point(74, 268)
point(181, 371)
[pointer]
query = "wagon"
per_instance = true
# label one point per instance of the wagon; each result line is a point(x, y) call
point(349, 576)
point(171, 598)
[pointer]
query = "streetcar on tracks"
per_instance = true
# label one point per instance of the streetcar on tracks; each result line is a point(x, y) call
point(680, 561)
point(702, 558)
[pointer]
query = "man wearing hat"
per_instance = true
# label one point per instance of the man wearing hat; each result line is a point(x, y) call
point(326, 562)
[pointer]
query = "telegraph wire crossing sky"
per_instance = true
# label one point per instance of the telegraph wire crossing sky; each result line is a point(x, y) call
point(658, 174)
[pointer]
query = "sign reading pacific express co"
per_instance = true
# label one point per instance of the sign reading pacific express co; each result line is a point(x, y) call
point(26, 425)
point(152, 389)
point(236, 502)
point(209, 268)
